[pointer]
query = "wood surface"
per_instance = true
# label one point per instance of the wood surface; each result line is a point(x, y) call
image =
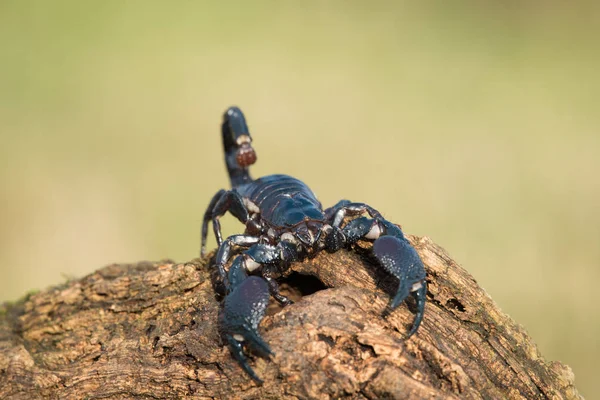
point(148, 330)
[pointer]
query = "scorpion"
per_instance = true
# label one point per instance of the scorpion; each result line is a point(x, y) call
point(286, 223)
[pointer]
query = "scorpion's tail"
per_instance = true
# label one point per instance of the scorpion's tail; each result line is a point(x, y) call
point(237, 143)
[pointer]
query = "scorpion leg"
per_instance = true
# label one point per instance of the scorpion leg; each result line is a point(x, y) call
point(392, 250)
point(274, 290)
point(228, 248)
point(222, 202)
point(243, 308)
point(345, 208)
point(207, 217)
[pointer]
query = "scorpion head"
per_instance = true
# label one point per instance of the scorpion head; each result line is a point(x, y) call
point(307, 235)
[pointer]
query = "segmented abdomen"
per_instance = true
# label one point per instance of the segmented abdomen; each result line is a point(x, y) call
point(283, 200)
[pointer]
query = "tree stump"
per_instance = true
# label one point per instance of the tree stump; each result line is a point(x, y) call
point(148, 330)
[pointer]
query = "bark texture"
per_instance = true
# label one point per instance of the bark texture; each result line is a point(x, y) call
point(148, 330)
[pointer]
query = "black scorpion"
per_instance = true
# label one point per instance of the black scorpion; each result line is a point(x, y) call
point(284, 223)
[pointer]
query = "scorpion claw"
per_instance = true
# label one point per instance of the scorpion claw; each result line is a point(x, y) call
point(400, 259)
point(243, 309)
point(236, 350)
point(419, 295)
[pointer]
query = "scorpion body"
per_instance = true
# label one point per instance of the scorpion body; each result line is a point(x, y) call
point(285, 222)
point(284, 201)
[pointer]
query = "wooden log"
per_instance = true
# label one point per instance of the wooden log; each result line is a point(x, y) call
point(148, 330)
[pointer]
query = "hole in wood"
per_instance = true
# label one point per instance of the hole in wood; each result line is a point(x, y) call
point(295, 286)
point(454, 304)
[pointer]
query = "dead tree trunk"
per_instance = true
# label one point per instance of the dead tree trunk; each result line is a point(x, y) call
point(149, 330)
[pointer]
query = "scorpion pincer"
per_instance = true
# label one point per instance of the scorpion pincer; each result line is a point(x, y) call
point(285, 223)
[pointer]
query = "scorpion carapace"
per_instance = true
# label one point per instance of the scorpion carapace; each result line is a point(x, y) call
point(284, 223)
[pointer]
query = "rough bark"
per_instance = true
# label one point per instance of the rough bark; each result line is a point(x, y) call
point(148, 330)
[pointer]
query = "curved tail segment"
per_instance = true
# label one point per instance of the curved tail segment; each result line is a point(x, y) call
point(237, 144)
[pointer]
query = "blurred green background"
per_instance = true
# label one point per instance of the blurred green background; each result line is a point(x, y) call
point(474, 123)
